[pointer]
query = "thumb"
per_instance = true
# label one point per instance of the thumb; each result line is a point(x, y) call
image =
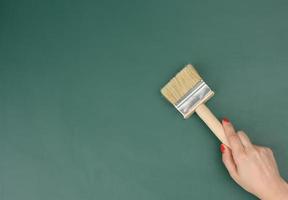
point(228, 161)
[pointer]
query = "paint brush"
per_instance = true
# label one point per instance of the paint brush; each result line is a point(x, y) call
point(188, 93)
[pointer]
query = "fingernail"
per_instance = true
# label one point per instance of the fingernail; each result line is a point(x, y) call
point(222, 148)
point(225, 120)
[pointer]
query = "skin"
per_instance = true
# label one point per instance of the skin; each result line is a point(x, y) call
point(252, 167)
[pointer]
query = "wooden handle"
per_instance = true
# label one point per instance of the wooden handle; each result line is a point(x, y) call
point(212, 122)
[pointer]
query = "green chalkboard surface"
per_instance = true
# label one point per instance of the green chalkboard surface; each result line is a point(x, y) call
point(81, 114)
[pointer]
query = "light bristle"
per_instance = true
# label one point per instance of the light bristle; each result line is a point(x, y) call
point(179, 85)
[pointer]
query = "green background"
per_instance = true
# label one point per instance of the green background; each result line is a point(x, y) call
point(81, 115)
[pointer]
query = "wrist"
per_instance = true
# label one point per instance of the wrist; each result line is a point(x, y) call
point(279, 192)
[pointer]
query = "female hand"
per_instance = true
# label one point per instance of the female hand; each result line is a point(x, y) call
point(253, 167)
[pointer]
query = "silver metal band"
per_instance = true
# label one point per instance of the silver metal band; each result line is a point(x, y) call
point(199, 94)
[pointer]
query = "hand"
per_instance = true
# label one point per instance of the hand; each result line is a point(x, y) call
point(253, 167)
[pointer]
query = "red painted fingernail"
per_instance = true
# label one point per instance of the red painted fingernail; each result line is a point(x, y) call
point(226, 120)
point(222, 148)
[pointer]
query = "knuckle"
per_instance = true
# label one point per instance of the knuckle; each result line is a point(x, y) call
point(232, 137)
point(254, 152)
point(269, 150)
point(242, 135)
point(263, 149)
point(263, 152)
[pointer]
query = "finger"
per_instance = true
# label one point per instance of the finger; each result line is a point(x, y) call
point(228, 161)
point(233, 138)
point(228, 127)
point(244, 139)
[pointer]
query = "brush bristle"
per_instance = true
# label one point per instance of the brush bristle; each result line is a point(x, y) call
point(180, 84)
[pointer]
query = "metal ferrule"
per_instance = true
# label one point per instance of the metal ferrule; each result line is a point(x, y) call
point(199, 94)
